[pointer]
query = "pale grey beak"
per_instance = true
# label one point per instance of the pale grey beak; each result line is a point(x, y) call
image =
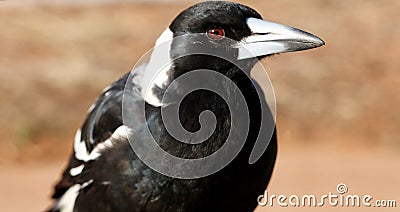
point(272, 38)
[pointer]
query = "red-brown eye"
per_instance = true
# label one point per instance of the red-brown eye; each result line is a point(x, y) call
point(216, 33)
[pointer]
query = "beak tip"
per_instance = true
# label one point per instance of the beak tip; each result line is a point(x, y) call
point(317, 42)
point(321, 42)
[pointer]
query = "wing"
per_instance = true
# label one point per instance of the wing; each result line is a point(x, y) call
point(102, 131)
point(105, 115)
point(102, 126)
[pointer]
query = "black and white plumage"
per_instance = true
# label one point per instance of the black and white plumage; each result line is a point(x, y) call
point(104, 174)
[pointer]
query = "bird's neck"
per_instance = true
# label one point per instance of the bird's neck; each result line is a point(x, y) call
point(194, 103)
point(154, 91)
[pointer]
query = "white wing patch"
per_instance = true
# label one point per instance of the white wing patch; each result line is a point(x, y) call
point(81, 153)
point(77, 170)
point(86, 184)
point(67, 201)
point(80, 149)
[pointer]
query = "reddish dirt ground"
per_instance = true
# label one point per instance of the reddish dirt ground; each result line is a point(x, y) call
point(300, 171)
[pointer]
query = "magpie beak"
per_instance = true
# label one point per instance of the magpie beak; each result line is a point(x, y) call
point(271, 38)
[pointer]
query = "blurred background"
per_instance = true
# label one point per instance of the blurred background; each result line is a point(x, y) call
point(338, 106)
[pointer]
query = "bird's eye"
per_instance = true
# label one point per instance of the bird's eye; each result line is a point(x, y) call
point(216, 33)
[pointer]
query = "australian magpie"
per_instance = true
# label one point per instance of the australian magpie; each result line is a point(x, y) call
point(104, 173)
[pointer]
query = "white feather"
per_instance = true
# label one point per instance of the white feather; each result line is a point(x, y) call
point(80, 149)
point(67, 201)
point(81, 153)
point(77, 170)
point(156, 73)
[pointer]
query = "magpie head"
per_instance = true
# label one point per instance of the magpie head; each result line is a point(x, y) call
point(219, 35)
point(222, 22)
point(217, 19)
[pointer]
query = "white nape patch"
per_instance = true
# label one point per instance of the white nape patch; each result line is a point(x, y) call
point(162, 76)
point(156, 73)
point(67, 201)
point(159, 80)
point(81, 153)
point(138, 73)
point(166, 36)
point(77, 170)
